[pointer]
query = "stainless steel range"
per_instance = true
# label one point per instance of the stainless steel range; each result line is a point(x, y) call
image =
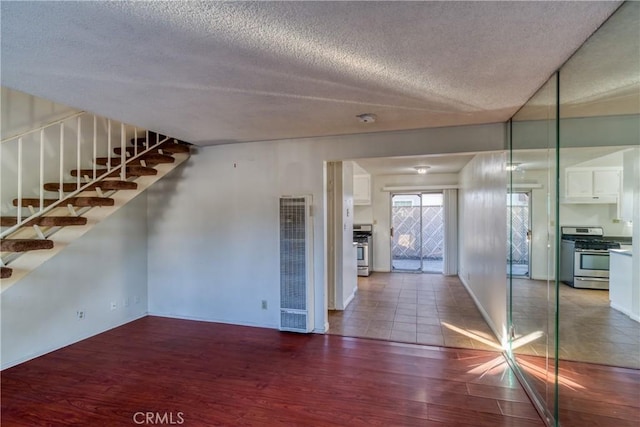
point(363, 237)
point(584, 257)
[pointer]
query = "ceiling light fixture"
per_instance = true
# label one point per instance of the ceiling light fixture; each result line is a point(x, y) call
point(366, 118)
point(422, 169)
point(512, 167)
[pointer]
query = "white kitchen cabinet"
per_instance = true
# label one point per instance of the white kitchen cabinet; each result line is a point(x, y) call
point(362, 189)
point(579, 183)
point(606, 182)
point(593, 185)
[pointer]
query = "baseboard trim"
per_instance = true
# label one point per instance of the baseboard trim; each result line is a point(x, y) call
point(501, 339)
point(350, 298)
point(623, 310)
point(212, 320)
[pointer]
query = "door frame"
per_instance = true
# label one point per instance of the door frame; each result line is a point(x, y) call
point(529, 194)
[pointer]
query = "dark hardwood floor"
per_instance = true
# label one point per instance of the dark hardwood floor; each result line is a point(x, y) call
point(197, 373)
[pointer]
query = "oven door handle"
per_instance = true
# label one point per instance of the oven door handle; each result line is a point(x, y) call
point(591, 252)
point(590, 279)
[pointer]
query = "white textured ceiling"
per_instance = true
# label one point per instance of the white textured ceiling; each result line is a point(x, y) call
point(216, 72)
point(406, 165)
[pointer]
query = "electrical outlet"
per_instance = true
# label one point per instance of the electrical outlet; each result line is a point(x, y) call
point(136, 299)
point(126, 302)
point(80, 314)
point(264, 304)
point(113, 305)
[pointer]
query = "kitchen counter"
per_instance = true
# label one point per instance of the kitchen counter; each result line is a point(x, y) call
point(620, 282)
point(626, 252)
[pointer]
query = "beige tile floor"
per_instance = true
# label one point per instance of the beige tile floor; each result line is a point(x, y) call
point(589, 330)
point(436, 310)
point(416, 308)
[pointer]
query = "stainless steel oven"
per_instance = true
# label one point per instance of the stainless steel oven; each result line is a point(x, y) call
point(363, 253)
point(363, 238)
point(591, 263)
point(584, 257)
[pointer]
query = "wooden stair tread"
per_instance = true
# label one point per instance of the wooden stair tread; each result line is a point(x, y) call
point(151, 159)
point(66, 187)
point(166, 147)
point(75, 201)
point(24, 245)
point(173, 148)
point(131, 171)
point(45, 221)
point(5, 272)
point(105, 185)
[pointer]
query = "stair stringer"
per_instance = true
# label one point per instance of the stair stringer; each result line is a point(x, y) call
point(30, 261)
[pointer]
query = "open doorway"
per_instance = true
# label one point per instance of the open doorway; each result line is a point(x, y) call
point(519, 236)
point(417, 243)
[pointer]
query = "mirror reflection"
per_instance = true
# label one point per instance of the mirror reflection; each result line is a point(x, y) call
point(574, 226)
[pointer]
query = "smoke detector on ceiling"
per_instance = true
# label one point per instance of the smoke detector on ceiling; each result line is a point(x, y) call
point(366, 118)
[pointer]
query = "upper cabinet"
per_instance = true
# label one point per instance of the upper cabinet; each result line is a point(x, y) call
point(362, 189)
point(593, 185)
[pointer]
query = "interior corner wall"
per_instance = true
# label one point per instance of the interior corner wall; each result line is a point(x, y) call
point(213, 221)
point(483, 236)
point(106, 265)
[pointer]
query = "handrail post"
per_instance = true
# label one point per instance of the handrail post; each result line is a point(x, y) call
point(19, 179)
point(78, 165)
point(123, 153)
point(61, 178)
point(108, 144)
point(41, 170)
point(135, 139)
point(95, 145)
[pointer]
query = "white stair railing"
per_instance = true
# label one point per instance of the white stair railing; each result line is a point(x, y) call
point(34, 151)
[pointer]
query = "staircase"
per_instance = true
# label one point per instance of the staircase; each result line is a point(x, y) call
point(126, 168)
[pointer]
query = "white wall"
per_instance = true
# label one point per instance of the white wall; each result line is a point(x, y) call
point(21, 112)
point(363, 214)
point(213, 245)
point(107, 264)
point(602, 215)
point(483, 236)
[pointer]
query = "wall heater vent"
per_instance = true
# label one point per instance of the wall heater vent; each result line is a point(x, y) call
point(296, 264)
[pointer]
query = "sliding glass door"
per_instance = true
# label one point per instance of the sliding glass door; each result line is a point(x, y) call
point(417, 243)
point(406, 230)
